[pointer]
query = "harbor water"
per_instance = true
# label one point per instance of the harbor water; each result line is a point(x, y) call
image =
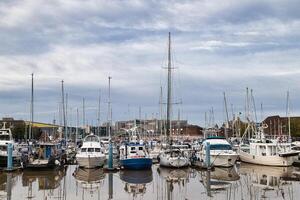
point(245, 181)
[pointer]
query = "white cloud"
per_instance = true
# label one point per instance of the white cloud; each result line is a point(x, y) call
point(217, 44)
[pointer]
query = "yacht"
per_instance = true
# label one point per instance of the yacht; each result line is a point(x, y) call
point(262, 151)
point(221, 153)
point(91, 153)
point(5, 139)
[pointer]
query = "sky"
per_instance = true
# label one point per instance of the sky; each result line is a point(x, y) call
point(217, 46)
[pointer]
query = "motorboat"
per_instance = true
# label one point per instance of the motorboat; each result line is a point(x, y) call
point(91, 154)
point(221, 153)
point(133, 155)
point(5, 139)
point(262, 151)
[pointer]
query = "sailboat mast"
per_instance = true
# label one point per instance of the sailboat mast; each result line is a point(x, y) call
point(109, 108)
point(63, 107)
point(227, 116)
point(31, 110)
point(77, 124)
point(83, 115)
point(288, 114)
point(169, 88)
point(98, 117)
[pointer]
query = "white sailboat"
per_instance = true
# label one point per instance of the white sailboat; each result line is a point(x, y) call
point(171, 157)
point(91, 154)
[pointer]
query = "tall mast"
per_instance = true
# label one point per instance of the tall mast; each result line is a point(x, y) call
point(227, 116)
point(77, 124)
point(67, 116)
point(109, 108)
point(169, 89)
point(83, 114)
point(63, 108)
point(98, 117)
point(254, 106)
point(161, 109)
point(31, 110)
point(288, 114)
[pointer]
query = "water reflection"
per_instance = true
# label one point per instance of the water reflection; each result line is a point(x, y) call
point(246, 182)
point(219, 180)
point(174, 180)
point(7, 182)
point(136, 181)
point(46, 179)
point(89, 180)
point(264, 181)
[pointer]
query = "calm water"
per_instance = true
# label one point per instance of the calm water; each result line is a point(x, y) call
point(243, 182)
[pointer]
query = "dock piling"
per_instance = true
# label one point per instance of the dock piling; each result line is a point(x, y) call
point(9, 156)
point(110, 156)
point(208, 155)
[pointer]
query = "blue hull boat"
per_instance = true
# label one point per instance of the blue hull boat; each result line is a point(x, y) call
point(136, 163)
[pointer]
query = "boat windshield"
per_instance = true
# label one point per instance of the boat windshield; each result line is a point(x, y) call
point(4, 137)
point(3, 148)
point(220, 147)
point(91, 138)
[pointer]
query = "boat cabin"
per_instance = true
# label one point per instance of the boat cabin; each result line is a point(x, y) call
point(46, 150)
point(133, 150)
point(268, 149)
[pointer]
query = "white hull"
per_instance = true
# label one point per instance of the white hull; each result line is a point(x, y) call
point(267, 160)
point(173, 161)
point(90, 161)
point(222, 160)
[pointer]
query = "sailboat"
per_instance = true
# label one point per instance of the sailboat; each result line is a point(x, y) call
point(171, 157)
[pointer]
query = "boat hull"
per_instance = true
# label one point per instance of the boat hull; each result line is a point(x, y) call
point(90, 161)
point(175, 162)
point(136, 163)
point(222, 160)
point(16, 161)
point(267, 160)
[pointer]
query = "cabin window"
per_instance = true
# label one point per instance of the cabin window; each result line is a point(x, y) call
point(220, 147)
point(132, 148)
point(4, 137)
point(141, 148)
point(83, 150)
point(97, 149)
point(90, 149)
point(3, 148)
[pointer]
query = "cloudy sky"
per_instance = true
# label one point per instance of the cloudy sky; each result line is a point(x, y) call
point(218, 46)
